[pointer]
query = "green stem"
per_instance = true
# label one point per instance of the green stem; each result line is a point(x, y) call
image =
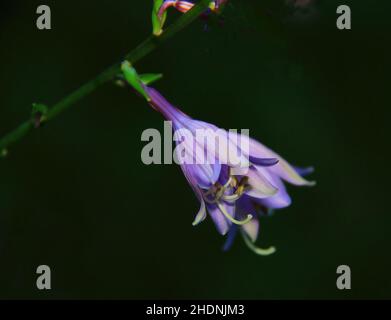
point(146, 47)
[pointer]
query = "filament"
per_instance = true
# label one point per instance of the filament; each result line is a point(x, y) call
point(257, 250)
point(227, 183)
point(232, 197)
point(232, 219)
point(219, 192)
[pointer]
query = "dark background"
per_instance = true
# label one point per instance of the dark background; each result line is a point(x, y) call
point(75, 195)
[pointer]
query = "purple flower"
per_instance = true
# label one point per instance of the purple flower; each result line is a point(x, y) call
point(182, 6)
point(244, 181)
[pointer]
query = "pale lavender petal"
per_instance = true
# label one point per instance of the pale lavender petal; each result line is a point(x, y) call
point(251, 228)
point(160, 104)
point(260, 186)
point(219, 144)
point(201, 215)
point(205, 175)
point(281, 199)
point(221, 223)
point(282, 169)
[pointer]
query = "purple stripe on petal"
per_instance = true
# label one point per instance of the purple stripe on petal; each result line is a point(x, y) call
point(264, 162)
point(224, 175)
point(282, 169)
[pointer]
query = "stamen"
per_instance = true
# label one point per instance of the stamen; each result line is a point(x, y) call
point(232, 198)
point(257, 250)
point(242, 186)
point(227, 183)
point(219, 191)
point(234, 182)
point(232, 219)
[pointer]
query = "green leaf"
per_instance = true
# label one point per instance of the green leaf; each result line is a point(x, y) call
point(39, 108)
point(133, 79)
point(149, 78)
point(38, 113)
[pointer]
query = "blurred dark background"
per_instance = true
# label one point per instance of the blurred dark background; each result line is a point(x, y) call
point(75, 195)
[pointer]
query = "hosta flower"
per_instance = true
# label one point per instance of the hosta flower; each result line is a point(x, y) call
point(236, 192)
point(235, 178)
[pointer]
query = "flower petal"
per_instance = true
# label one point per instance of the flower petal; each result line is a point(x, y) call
point(244, 206)
point(281, 199)
point(260, 186)
point(251, 229)
point(201, 215)
point(282, 169)
point(264, 162)
point(222, 223)
point(230, 237)
point(218, 143)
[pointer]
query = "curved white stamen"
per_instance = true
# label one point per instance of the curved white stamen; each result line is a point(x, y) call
point(232, 197)
point(257, 250)
point(232, 219)
point(227, 183)
point(219, 193)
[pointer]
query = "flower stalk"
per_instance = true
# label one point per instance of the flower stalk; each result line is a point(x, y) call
point(145, 48)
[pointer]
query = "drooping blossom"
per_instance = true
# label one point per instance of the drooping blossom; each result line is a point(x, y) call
point(182, 6)
point(233, 193)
